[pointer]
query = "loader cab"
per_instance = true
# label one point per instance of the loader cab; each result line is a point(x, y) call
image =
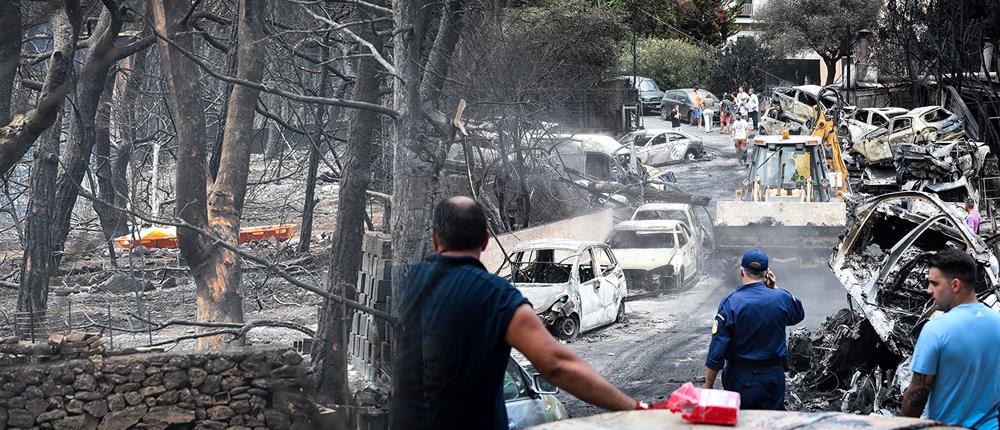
point(789, 169)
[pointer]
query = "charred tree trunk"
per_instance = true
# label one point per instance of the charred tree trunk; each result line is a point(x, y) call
point(330, 350)
point(308, 207)
point(112, 220)
point(418, 152)
point(217, 272)
point(213, 165)
point(831, 69)
point(76, 159)
point(10, 52)
point(19, 134)
point(34, 289)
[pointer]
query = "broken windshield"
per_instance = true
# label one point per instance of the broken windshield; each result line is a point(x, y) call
point(543, 266)
point(624, 239)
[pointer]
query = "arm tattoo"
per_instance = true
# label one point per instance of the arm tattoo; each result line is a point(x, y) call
point(917, 394)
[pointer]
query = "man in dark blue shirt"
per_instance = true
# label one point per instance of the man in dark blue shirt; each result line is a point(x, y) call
point(457, 325)
point(748, 336)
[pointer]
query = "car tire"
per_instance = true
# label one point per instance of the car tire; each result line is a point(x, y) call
point(680, 279)
point(691, 118)
point(691, 154)
point(567, 328)
point(620, 317)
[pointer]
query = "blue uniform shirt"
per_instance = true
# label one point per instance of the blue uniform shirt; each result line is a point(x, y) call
point(960, 349)
point(750, 325)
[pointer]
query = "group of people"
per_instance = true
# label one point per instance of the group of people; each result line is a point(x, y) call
point(742, 104)
point(459, 322)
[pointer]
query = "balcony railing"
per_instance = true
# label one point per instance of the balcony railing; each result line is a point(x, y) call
point(745, 11)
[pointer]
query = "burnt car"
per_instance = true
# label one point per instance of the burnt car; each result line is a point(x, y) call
point(575, 286)
point(656, 254)
point(658, 146)
point(797, 103)
point(530, 400)
point(920, 125)
point(773, 121)
point(865, 120)
point(859, 359)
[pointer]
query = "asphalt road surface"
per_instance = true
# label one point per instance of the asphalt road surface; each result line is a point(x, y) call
point(664, 340)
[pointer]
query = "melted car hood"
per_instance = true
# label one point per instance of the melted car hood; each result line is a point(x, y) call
point(644, 259)
point(542, 296)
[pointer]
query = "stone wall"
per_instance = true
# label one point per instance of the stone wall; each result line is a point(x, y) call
point(238, 389)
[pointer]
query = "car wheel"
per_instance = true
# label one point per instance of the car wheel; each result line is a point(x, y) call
point(691, 154)
point(680, 279)
point(567, 327)
point(690, 118)
point(621, 312)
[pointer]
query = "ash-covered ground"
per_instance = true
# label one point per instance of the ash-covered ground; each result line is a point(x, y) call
point(665, 339)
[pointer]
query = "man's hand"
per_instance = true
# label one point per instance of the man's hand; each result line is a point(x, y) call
point(770, 279)
point(916, 395)
point(559, 365)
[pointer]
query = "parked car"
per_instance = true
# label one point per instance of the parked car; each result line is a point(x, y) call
point(659, 146)
point(649, 93)
point(774, 122)
point(797, 102)
point(575, 286)
point(656, 254)
point(684, 97)
point(923, 124)
point(530, 400)
point(866, 120)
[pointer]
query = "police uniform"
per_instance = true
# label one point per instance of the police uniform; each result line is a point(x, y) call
point(748, 342)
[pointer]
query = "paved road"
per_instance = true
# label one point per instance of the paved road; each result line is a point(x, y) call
point(664, 342)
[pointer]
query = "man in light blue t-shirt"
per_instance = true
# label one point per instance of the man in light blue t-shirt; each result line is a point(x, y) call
point(956, 360)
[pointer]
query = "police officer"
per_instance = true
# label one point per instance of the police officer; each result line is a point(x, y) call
point(748, 336)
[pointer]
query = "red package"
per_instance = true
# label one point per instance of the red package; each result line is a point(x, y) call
point(703, 406)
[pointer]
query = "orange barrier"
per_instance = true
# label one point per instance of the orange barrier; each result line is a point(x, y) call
point(166, 237)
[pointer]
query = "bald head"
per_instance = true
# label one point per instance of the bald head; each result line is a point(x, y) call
point(459, 224)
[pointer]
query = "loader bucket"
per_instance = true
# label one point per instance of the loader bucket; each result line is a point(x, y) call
point(790, 226)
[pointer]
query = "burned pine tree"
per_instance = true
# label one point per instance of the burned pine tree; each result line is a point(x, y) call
point(217, 271)
point(18, 136)
point(330, 350)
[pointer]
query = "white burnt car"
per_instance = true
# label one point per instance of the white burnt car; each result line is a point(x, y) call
point(656, 254)
point(575, 286)
point(658, 146)
point(923, 124)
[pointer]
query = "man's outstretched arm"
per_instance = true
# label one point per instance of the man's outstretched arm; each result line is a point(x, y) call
point(916, 395)
point(560, 366)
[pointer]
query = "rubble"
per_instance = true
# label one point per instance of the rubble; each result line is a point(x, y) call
point(858, 360)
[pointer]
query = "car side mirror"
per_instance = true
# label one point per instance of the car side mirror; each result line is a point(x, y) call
point(544, 387)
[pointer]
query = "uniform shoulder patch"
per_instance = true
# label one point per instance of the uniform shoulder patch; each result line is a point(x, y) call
point(715, 327)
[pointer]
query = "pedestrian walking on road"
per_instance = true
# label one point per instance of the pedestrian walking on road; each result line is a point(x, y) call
point(748, 336)
point(708, 111)
point(742, 97)
point(971, 215)
point(725, 113)
point(740, 130)
point(696, 109)
point(675, 118)
point(458, 323)
point(956, 359)
point(753, 104)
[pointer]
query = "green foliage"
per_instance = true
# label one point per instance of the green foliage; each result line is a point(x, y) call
point(672, 63)
point(829, 27)
point(744, 62)
point(575, 37)
point(707, 22)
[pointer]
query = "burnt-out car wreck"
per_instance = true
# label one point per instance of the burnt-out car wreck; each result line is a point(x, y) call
point(858, 361)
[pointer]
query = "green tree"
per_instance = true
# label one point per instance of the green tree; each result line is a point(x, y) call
point(829, 27)
point(672, 63)
point(744, 62)
point(707, 22)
